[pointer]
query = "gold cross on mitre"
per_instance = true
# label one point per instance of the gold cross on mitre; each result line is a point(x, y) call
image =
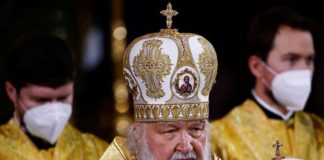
point(169, 13)
point(277, 145)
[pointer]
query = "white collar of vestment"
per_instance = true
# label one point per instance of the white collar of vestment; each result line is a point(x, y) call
point(271, 109)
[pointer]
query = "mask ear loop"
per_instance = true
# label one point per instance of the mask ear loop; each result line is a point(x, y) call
point(19, 102)
point(271, 71)
point(268, 68)
point(19, 117)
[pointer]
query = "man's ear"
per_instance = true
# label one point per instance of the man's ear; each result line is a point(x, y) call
point(11, 92)
point(255, 65)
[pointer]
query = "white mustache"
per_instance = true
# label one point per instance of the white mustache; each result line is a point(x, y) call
point(190, 155)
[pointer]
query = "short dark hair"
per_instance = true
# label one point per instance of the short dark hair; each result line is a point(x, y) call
point(39, 59)
point(266, 25)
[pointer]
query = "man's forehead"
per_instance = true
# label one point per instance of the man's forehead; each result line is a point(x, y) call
point(290, 40)
point(44, 91)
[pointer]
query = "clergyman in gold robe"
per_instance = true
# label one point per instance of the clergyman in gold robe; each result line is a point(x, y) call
point(282, 51)
point(168, 123)
point(39, 82)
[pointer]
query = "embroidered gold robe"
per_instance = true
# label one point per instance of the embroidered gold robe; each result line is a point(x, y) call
point(117, 150)
point(72, 145)
point(247, 133)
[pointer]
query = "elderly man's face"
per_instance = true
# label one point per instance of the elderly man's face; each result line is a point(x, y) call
point(177, 140)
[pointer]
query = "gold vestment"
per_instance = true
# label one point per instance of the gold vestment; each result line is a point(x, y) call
point(71, 145)
point(117, 150)
point(247, 133)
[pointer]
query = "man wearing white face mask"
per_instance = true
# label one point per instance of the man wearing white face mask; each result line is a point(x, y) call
point(39, 82)
point(282, 61)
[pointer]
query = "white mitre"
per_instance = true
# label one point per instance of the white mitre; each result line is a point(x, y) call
point(170, 74)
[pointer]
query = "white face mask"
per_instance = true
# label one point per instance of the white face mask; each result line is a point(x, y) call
point(47, 121)
point(291, 88)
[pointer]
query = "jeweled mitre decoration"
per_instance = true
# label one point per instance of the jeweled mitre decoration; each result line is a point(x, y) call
point(170, 74)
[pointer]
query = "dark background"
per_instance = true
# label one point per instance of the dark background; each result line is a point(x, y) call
point(223, 23)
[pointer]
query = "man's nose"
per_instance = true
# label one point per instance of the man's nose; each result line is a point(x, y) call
point(184, 143)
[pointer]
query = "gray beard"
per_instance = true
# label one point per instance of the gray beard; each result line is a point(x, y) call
point(145, 153)
point(141, 151)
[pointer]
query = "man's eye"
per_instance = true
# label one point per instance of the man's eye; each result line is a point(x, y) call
point(41, 100)
point(310, 60)
point(170, 131)
point(293, 59)
point(62, 98)
point(196, 131)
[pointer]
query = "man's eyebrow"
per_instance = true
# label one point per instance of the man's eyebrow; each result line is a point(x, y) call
point(39, 96)
point(292, 54)
point(298, 54)
point(166, 124)
point(197, 123)
point(64, 95)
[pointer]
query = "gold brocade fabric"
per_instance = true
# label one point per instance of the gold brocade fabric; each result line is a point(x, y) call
point(117, 151)
point(72, 145)
point(247, 133)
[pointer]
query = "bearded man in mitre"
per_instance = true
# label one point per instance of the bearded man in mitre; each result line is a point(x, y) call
point(168, 124)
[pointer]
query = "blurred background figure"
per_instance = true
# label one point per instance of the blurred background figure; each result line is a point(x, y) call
point(39, 82)
point(98, 31)
point(281, 47)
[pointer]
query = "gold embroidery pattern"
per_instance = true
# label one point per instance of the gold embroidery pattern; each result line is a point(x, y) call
point(186, 110)
point(156, 111)
point(186, 55)
point(208, 65)
point(165, 111)
point(175, 111)
point(152, 65)
point(185, 58)
point(170, 32)
point(141, 112)
point(195, 110)
point(171, 112)
point(148, 112)
point(131, 84)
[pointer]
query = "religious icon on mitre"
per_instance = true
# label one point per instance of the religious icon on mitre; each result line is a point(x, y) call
point(185, 83)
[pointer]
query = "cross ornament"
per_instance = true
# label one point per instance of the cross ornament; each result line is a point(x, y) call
point(277, 145)
point(169, 13)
